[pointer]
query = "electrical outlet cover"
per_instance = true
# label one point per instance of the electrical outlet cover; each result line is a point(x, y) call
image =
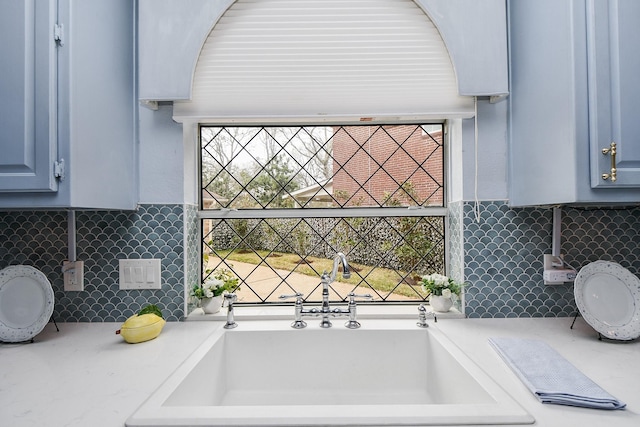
point(73, 274)
point(554, 271)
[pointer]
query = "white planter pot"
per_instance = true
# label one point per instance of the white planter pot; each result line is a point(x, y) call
point(211, 305)
point(440, 303)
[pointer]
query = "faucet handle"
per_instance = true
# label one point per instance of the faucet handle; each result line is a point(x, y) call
point(352, 297)
point(353, 322)
point(422, 317)
point(296, 295)
point(298, 323)
point(230, 298)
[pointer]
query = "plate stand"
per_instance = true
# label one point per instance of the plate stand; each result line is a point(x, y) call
point(600, 336)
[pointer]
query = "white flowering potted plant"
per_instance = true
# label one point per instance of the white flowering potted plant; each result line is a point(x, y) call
point(210, 293)
point(443, 291)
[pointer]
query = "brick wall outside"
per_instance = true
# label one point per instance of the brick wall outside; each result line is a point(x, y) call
point(370, 163)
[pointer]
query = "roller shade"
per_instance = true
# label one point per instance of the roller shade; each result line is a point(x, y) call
point(321, 59)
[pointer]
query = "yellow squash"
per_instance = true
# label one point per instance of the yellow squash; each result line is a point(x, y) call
point(140, 328)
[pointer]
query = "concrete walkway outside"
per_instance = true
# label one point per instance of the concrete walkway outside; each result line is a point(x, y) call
point(263, 280)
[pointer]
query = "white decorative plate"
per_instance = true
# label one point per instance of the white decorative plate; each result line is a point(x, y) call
point(608, 297)
point(26, 303)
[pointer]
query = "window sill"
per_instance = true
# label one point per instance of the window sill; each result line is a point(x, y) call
point(286, 313)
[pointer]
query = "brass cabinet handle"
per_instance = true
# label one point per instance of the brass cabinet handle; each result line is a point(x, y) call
point(611, 151)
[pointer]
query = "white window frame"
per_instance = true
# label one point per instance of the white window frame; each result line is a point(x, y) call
point(330, 212)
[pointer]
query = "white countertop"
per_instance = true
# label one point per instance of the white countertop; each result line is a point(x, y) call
point(85, 375)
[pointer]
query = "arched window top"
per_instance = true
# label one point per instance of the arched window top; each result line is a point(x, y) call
point(324, 58)
point(172, 34)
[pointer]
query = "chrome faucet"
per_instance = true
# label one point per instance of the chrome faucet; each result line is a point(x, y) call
point(230, 299)
point(422, 317)
point(326, 280)
point(325, 310)
point(353, 322)
point(346, 273)
point(298, 323)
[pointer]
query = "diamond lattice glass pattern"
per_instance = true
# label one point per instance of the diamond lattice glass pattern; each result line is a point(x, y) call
point(281, 256)
point(328, 166)
point(274, 170)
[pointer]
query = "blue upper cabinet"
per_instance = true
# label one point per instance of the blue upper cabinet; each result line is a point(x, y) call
point(68, 111)
point(28, 94)
point(572, 70)
point(613, 28)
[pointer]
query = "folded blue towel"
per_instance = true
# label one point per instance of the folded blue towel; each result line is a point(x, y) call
point(551, 377)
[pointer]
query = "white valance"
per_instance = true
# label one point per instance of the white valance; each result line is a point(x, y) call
point(220, 58)
point(324, 58)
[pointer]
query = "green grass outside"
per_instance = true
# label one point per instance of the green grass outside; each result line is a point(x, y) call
point(381, 279)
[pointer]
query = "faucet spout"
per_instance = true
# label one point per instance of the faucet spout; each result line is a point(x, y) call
point(340, 258)
point(326, 280)
point(325, 311)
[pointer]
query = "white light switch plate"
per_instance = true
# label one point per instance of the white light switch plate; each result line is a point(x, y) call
point(140, 274)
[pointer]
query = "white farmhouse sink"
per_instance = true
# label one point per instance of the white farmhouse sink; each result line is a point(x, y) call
point(389, 372)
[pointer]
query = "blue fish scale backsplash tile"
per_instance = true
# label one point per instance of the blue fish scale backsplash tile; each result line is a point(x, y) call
point(103, 238)
point(456, 254)
point(503, 253)
point(500, 256)
point(194, 259)
point(594, 234)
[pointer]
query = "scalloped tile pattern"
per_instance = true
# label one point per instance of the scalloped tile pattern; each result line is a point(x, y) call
point(501, 255)
point(455, 246)
point(192, 273)
point(503, 250)
point(456, 254)
point(39, 239)
point(593, 234)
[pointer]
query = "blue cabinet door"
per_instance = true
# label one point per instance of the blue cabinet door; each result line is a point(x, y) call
point(28, 146)
point(614, 92)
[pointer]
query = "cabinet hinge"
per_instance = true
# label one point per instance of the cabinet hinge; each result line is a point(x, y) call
point(58, 169)
point(58, 34)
